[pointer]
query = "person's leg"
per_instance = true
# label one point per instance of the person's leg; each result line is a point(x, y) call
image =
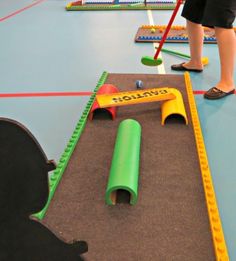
point(226, 40)
point(195, 36)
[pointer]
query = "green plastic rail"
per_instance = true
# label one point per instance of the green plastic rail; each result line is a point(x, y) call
point(65, 157)
point(120, 7)
point(124, 172)
point(175, 53)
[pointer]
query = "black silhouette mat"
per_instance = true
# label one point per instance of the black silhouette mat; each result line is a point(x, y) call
point(24, 191)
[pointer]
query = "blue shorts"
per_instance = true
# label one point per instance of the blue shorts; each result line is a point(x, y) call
point(210, 13)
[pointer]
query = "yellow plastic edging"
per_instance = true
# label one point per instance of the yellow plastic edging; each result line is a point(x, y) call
point(173, 27)
point(221, 251)
point(174, 106)
point(205, 61)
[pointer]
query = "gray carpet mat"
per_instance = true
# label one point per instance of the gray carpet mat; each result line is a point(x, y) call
point(169, 221)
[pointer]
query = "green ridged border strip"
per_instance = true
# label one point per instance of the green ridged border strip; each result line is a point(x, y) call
point(65, 157)
point(120, 7)
point(221, 251)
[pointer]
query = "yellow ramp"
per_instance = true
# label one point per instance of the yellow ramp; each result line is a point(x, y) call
point(135, 97)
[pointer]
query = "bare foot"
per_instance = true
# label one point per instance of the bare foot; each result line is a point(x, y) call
point(192, 65)
point(225, 86)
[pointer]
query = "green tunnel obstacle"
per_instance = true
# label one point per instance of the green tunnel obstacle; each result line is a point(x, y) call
point(124, 170)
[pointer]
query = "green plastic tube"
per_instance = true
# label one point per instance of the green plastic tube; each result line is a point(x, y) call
point(124, 172)
point(175, 53)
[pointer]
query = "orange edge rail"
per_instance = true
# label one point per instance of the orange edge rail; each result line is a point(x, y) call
point(174, 27)
point(220, 247)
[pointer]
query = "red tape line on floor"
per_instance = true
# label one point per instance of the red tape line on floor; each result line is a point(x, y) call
point(61, 94)
point(20, 10)
point(44, 94)
point(199, 92)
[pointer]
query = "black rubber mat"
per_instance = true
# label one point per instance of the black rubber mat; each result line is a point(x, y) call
point(24, 191)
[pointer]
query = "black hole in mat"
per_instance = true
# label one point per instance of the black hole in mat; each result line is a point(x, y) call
point(175, 119)
point(122, 196)
point(101, 114)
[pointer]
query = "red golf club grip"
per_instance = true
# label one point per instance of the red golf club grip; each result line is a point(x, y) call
point(168, 28)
